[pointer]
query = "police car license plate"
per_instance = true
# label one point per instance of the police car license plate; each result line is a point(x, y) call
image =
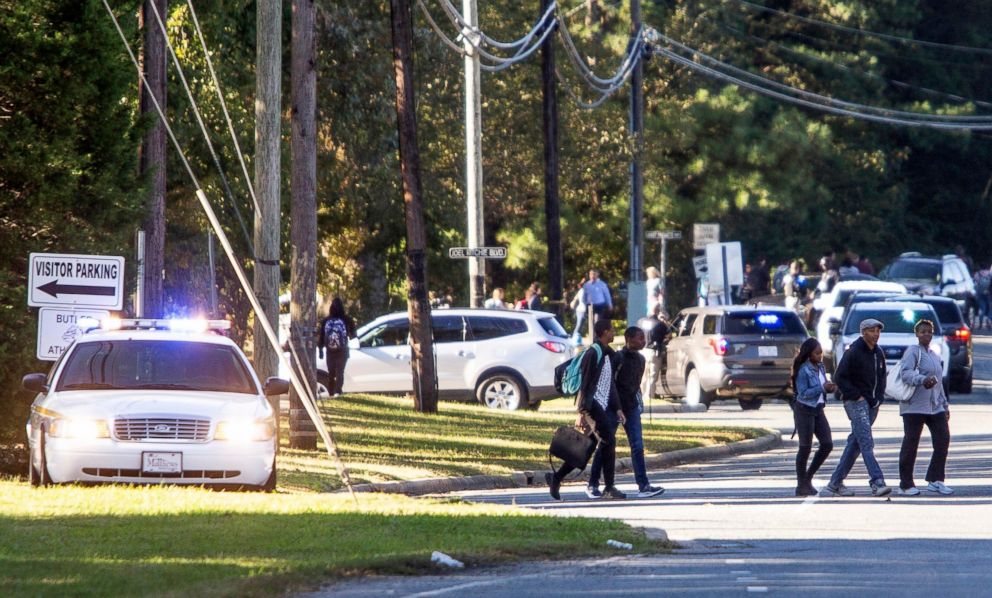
point(768, 351)
point(162, 462)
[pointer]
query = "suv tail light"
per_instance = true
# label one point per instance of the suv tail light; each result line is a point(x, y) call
point(720, 345)
point(962, 334)
point(553, 346)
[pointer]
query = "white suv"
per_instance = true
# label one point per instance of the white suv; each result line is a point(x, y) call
point(505, 359)
point(153, 401)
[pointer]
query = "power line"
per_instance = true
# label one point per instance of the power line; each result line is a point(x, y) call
point(761, 89)
point(865, 32)
point(859, 72)
point(821, 98)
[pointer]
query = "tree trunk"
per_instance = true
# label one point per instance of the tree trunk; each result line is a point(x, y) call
point(152, 158)
point(422, 341)
point(303, 216)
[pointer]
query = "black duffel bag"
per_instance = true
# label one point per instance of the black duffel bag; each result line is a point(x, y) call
point(572, 446)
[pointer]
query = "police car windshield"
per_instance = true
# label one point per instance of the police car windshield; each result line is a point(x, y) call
point(155, 365)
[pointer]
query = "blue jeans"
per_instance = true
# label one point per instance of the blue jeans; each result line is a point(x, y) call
point(859, 441)
point(632, 427)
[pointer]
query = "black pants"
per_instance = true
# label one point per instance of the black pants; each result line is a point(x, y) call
point(600, 311)
point(940, 435)
point(607, 444)
point(811, 422)
point(336, 361)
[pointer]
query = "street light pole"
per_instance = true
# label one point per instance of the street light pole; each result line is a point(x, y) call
point(473, 152)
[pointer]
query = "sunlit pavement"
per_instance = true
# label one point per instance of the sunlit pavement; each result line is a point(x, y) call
point(742, 530)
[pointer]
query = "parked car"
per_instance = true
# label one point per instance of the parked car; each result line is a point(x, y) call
point(505, 359)
point(898, 319)
point(957, 334)
point(945, 275)
point(153, 401)
point(738, 351)
point(831, 307)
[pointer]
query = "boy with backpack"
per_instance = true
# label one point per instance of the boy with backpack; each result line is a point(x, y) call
point(597, 398)
point(629, 366)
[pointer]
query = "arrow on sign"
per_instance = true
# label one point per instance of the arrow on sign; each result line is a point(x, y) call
point(53, 288)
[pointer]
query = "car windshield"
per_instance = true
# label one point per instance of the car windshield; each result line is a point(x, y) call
point(765, 323)
point(893, 321)
point(157, 365)
point(912, 270)
point(552, 327)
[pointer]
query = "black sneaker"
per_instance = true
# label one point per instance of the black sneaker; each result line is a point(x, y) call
point(806, 489)
point(593, 492)
point(612, 493)
point(554, 486)
point(649, 491)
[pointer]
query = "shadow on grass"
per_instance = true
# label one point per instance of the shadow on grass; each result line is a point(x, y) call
point(261, 554)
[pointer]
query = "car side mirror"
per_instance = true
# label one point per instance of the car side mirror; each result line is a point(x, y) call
point(35, 383)
point(276, 386)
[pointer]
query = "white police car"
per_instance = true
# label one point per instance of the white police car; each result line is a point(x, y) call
point(153, 401)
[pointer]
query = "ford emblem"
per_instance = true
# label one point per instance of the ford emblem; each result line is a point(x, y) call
point(162, 428)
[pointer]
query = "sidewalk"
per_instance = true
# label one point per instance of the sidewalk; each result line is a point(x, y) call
point(522, 479)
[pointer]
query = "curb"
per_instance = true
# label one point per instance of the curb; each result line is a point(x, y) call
point(524, 479)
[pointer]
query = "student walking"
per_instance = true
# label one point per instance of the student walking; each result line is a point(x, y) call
point(597, 398)
point(629, 365)
point(861, 378)
point(809, 379)
point(333, 336)
point(922, 367)
point(597, 294)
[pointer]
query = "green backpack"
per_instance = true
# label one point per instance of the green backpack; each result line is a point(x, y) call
point(568, 375)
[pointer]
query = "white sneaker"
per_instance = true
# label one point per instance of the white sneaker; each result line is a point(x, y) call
point(940, 488)
point(913, 491)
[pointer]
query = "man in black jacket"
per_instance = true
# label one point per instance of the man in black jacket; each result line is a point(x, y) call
point(861, 379)
point(629, 366)
point(597, 398)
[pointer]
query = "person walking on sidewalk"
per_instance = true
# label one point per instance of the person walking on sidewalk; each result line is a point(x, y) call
point(809, 379)
point(923, 368)
point(597, 398)
point(597, 294)
point(861, 378)
point(629, 365)
point(333, 336)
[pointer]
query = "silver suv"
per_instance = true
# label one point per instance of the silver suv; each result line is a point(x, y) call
point(945, 275)
point(732, 351)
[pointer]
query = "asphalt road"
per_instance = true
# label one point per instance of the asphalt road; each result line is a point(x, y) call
point(742, 531)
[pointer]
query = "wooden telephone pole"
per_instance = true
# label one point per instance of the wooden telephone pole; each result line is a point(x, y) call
point(552, 211)
point(152, 160)
point(422, 339)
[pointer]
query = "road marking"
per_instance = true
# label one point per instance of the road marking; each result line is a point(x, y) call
point(757, 589)
point(734, 561)
point(746, 579)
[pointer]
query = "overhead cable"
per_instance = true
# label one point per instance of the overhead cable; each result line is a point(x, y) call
point(856, 71)
point(462, 25)
point(713, 73)
point(199, 121)
point(865, 32)
point(923, 116)
point(308, 400)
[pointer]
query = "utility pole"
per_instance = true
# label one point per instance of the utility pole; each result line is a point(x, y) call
point(473, 153)
point(268, 73)
point(152, 159)
point(636, 294)
point(303, 217)
point(552, 212)
point(421, 335)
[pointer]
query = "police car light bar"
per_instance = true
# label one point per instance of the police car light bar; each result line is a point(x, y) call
point(175, 324)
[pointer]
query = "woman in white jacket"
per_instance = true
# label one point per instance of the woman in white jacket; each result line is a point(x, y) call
point(922, 367)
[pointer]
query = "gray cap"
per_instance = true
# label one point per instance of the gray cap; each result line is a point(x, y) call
point(871, 323)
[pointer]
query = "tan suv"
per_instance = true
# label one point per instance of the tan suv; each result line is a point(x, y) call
point(732, 351)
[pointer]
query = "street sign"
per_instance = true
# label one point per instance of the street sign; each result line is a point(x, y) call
point(703, 234)
point(658, 235)
point(58, 327)
point(60, 280)
point(726, 267)
point(699, 265)
point(488, 253)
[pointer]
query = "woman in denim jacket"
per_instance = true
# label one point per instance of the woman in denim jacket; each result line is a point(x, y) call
point(809, 379)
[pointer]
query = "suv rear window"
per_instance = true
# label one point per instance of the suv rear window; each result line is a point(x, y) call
point(914, 270)
point(893, 321)
point(948, 311)
point(552, 327)
point(768, 323)
point(485, 327)
point(161, 365)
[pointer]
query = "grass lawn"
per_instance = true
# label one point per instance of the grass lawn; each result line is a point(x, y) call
point(141, 541)
point(381, 439)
